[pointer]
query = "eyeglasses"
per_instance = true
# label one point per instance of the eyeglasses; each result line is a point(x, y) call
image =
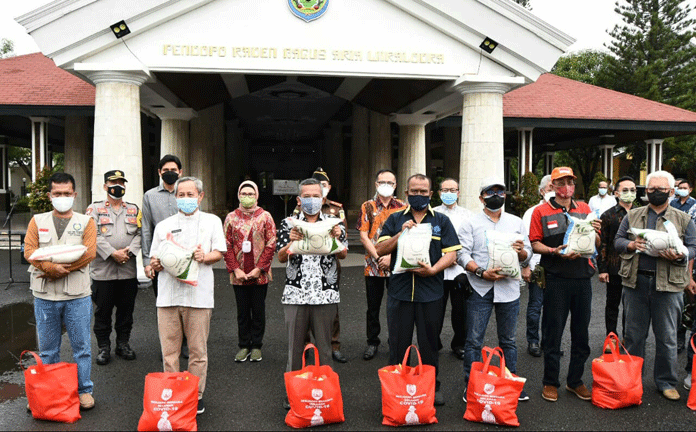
point(452, 190)
point(491, 192)
point(627, 190)
point(390, 183)
point(663, 190)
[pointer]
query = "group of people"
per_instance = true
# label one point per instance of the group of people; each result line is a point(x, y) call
point(559, 282)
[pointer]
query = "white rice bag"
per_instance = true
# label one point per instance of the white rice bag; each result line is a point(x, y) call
point(317, 239)
point(580, 236)
point(60, 254)
point(501, 254)
point(178, 261)
point(657, 241)
point(413, 246)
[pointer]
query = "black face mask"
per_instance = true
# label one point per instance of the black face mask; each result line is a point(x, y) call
point(657, 198)
point(494, 202)
point(170, 177)
point(418, 202)
point(116, 191)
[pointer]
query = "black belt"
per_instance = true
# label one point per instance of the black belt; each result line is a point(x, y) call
point(648, 273)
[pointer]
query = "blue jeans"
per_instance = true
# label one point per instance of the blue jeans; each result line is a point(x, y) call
point(645, 305)
point(479, 311)
point(534, 304)
point(76, 315)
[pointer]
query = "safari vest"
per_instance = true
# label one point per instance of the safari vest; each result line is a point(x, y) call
point(670, 276)
point(75, 285)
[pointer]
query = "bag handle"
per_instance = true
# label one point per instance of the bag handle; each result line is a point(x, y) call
point(39, 363)
point(316, 356)
point(487, 353)
point(417, 369)
point(612, 348)
point(693, 337)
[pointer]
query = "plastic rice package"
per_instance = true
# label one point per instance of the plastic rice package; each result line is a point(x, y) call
point(317, 239)
point(60, 254)
point(658, 241)
point(580, 236)
point(178, 261)
point(502, 255)
point(413, 246)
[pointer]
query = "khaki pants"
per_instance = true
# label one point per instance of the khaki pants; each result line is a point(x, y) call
point(194, 323)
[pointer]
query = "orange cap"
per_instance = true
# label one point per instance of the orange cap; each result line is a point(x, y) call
point(560, 172)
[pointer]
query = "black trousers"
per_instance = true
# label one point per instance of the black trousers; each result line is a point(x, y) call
point(251, 314)
point(611, 310)
point(456, 296)
point(154, 285)
point(374, 291)
point(110, 294)
point(427, 317)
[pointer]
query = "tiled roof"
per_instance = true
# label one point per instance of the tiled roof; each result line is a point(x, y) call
point(555, 97)
point(34, 79)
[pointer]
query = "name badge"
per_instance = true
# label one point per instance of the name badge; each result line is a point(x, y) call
point(104, 220)
point(246, 246)
point(176, 231)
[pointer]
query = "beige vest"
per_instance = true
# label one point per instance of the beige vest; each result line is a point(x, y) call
point(75, 285)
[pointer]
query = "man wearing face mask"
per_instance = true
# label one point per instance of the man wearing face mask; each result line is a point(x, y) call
point(449, 193)
point(653, 286)
point(62, 291)
point(373, 214)
point(603, 201)
point(183, 310)
point(609, 260)
point(113, 272)
point(568, 286)
point(415, 297)
point(683, 200)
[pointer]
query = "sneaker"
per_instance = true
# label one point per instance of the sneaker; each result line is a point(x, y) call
point(580, 391)
point(86, 401)
point(104, 356)
point(255, 355)
point(439, 398)
point(242, 355)
point(550, 393)
point(464, 395)
point(523, 396)
point(671, 394)
point(201, 407)
point(687, 382)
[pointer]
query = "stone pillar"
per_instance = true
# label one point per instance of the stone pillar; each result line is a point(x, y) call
point(412, 158)
point(78, 158)
point(207, 157)
point(653, 159)
point(482, 132)
point(548, 162)
point(450, 159)
point(359, 154)
point(117, 137)
point(39, 145)
point(380, 146)
point(608, 161)
point(524, 155)
point(175, 132)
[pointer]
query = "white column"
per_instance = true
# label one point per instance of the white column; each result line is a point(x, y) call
point(412, 159)
point(174, 139)
point(207, 157)
point(78, 157)
point(117, 136)
point(548, 162)
point(359, 154)
point(380, 146)
point(39, 145)
point(482, 132)
point(654, 155)
point(608, 161)
point(524, 155)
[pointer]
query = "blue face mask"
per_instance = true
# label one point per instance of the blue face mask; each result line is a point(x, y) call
point(682, 192)
point(418, 202)
point(187, 205)
point(602, 191)
point(311, 205)
point(448, 198)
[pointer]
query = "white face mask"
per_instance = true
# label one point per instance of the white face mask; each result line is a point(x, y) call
point(602, 191)
point(62, 204)
point(549, 195)
point(325, 191)
point(385, 190)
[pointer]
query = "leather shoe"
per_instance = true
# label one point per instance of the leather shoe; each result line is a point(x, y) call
point(286, 404)
point(124, 351)
point(104, 356)
point(671, 394)
point(339, 357)
point(459, 353)
point(439, 399)
point(370, 352)
point(580, 391)
point(550, 393)
point(534, 350)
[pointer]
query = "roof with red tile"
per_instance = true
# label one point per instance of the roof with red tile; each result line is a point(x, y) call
point(34, 79)
point(554, 97)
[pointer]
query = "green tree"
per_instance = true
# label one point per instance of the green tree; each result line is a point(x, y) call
point(6, 48)
point(594, 186)
point(528, 194)
point(584, 66)
point(38, 192)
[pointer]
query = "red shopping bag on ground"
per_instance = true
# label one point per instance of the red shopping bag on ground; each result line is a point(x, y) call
point(170, 402)
point(493, 392)
point(692, 393)
point(314, 394)
point(52, 390)
point(617, 378)
point(408, 393)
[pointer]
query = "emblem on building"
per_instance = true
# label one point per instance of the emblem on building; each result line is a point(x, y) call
point(308, 10)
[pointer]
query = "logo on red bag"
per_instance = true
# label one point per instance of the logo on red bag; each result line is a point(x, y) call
point(317, 394)
point(411, 389)
point(166, 394)
point(488, 388)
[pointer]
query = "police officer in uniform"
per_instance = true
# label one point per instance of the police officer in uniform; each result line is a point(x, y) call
point(114, 274)
point(334, 209)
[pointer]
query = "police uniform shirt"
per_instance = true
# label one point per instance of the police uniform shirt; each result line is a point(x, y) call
point(116, 229)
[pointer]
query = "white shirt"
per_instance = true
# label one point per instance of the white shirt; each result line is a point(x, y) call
point(527, 220)
point(602, 204)
point(457, 216)
point(189, 231)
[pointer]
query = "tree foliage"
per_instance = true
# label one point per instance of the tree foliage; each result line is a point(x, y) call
point(594, 186)
point(528, 194)
point(584, 66)
point(38, 192)
point(6, 48)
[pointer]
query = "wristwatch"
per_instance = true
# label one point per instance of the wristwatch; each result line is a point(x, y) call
point(479, 272)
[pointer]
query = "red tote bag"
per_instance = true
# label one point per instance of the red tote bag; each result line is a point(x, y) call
point(493, 394)
point(617, 378)
point(692, 393)
point(408, 393)
point(52, 390)
point(314, 394)
point(170, 402)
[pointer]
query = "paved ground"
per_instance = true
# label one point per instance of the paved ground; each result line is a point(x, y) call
point(248, 396)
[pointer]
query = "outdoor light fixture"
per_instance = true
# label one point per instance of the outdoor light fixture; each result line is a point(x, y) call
point(120, 29)
point(488, 45)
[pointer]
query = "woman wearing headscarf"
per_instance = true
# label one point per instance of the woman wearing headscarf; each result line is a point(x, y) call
point(251, 240)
